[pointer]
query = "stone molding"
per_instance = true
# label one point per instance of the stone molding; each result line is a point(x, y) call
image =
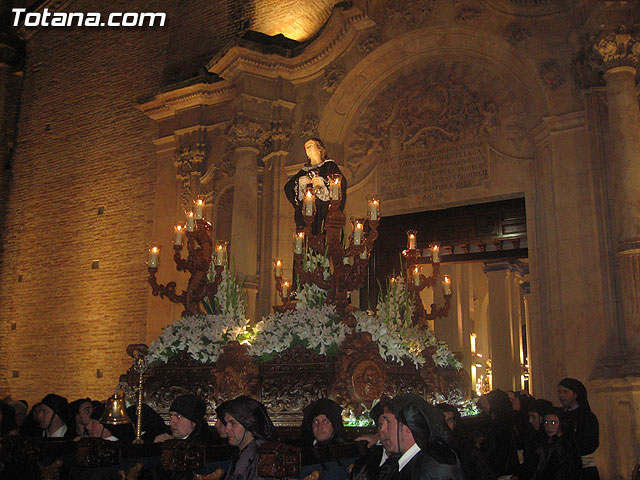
point(339, 33)
point(169, 104)
point(512, 266)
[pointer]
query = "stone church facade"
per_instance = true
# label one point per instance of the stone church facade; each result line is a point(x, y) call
point(428, 103)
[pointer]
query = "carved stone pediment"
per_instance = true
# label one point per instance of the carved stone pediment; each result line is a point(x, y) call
point(413, 13)
point(434, 104)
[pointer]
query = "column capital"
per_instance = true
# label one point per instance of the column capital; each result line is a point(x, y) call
point(244, 131)
point(607, 49)
point(616, 48)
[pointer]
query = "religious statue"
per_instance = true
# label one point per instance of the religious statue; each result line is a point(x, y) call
point(314, 175)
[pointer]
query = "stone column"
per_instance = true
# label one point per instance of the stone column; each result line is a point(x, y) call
point(504, 329)
point(614, 387)
point(244, 223)
point(244, 137)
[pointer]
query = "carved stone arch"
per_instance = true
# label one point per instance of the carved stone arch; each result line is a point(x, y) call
point(379, 68)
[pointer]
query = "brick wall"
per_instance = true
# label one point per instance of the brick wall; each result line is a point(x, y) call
point(82, 145)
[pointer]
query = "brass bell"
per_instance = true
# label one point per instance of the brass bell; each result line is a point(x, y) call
point(114, 411)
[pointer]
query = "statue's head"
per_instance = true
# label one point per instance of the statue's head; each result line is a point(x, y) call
point(316, 153)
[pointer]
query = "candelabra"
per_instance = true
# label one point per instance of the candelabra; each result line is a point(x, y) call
point(347, 265)
point(417, 282)
point(197, 263)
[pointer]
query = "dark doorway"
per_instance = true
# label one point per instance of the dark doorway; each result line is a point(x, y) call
point(484, 231)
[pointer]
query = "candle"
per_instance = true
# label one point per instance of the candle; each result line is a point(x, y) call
point(435, 254)
point(357, 233)
point(191, 222)
point(277, 267)
point(179, 233)
point(374, 207)
point(299, 245)
point(220, 253)
point(285, 291)
point(308, 204)
point(346, 261)
point(154, 253)
point(411, 240)
point(416, 276)
point(335, 186)
point(364, 254)
point(446, 284)
point(199, 208)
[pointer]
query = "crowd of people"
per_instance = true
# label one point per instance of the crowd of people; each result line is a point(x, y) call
point(516, 436)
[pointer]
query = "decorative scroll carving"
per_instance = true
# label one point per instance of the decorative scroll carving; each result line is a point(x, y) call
point(551, 73)
point(182, 455)
point(190, 161)
point(333, 75)
point(236, 373)
point(413, 13)
point(468, 13)
point(516, 33)
point(369, 44)
point(292, 380)
point(309, 127)
point(360, 374)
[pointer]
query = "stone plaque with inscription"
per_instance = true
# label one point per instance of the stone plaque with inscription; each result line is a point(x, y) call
point(425, 173)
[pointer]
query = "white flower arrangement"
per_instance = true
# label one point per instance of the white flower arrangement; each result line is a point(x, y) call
point(319, 329)
point(390, 327)
point(203, 336)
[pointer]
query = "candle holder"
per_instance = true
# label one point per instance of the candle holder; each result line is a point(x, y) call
point(197, 264)
point(345, 276)
point(417, 282)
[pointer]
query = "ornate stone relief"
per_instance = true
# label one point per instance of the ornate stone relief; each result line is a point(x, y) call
point(468, 13)
point(437, 103)
point(368, 44)
point(333, 75)
point(279, 138)
point(413, 13)
point(190, 162)
point(309, 127)
point(619, 48)
point(551, 73)
point(516, 33)
point(606, 50)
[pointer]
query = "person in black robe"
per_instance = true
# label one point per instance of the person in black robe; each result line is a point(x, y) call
point(573, 398)
point(473, 465)
point(558, 456)
point(315, 175)
point(534, 437)
point(52, 416)
point(322, 424)
point(152, 423)
point(368, 467)
point(423, 440)
point(248, 426)
point(498, 443)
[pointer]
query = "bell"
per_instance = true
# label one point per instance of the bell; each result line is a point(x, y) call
point(114, 411)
